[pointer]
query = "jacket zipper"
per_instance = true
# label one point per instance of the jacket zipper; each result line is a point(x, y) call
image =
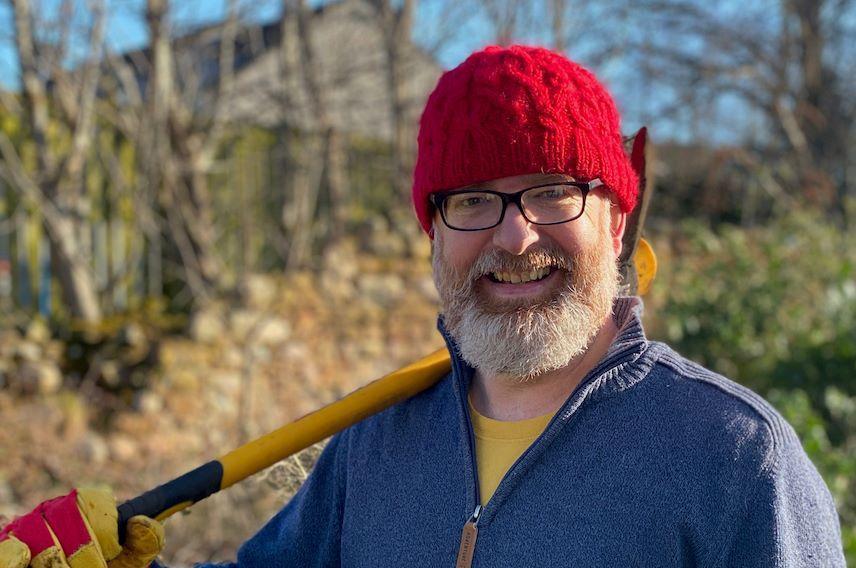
point(468, 540)
point(466, 550)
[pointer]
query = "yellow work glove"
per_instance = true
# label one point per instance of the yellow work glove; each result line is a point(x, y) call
point(79, 530)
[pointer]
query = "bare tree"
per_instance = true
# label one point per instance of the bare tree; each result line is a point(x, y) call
point(58, 101)
point(396, 23)
point(188, 137)
point(320, 156)
point(505, 19)
point(333, 151)
point(174, 110)
point(784, 61)
point(434, 33)
point(557, 24)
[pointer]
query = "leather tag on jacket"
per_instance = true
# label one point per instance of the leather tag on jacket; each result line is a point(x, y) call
point(468, 545)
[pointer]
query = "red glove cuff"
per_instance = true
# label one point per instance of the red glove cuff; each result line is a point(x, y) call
point(64, 519)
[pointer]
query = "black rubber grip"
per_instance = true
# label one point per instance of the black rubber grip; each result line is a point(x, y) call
point(193, 486)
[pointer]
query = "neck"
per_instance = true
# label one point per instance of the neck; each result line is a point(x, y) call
point(506, 398)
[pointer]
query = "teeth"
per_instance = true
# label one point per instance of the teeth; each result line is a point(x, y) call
point(516, 278)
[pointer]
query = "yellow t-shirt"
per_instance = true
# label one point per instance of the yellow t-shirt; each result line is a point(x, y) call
point(499, 444)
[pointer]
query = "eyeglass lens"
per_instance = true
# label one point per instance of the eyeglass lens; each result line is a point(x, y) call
point(480, 210)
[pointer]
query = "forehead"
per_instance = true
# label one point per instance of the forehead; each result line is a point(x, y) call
point(515, 183)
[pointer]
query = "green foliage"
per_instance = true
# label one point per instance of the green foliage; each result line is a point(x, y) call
point(773, 308)
point(369, 169)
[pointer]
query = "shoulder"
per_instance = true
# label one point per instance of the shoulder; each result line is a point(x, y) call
point(731, 421)
point(414, 416)
point(776, 503)
point(394, 435)
point(726, 450)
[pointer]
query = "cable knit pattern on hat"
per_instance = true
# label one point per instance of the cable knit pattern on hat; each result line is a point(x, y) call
point(516, 110)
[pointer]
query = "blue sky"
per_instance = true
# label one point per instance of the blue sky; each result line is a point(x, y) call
point(126, 27)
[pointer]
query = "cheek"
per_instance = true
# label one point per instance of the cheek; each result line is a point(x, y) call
point(571, 241)
point(592, 230)
point(459, 250)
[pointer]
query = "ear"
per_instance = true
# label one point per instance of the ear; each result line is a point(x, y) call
point(617, 225)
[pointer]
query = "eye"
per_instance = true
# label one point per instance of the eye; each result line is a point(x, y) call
point(471, 200)
point(550, 193)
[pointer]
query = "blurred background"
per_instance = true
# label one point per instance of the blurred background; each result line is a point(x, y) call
point(205, 227)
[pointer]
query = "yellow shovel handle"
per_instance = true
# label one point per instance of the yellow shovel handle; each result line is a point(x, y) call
point(254, 456)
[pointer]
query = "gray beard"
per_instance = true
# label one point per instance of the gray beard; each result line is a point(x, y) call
point(521, 342)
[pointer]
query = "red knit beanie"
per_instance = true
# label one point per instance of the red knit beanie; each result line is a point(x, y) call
point(509, 111)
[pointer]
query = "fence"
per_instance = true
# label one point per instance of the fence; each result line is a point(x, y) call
point(250, 185)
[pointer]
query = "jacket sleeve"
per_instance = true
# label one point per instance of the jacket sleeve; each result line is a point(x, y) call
point(790, 520)
point(306, 532)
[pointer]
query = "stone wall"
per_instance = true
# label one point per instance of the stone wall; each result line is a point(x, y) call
point(241, 369)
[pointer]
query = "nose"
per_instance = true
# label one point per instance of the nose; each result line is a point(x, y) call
point(515, 234)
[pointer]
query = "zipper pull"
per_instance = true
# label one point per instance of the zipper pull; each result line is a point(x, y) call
point(468, 540)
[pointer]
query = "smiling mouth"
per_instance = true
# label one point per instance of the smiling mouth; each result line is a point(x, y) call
point(517, 277)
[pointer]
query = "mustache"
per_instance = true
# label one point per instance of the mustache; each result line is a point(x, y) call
point(496, 260)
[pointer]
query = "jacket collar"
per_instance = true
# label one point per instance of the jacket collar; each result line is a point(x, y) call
point(623, 365)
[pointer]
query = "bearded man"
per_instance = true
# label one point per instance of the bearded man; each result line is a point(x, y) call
point(562, 436)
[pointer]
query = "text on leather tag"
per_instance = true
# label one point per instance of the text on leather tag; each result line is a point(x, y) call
point(468, 545)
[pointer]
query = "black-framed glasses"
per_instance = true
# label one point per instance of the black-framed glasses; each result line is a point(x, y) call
point(545, 204)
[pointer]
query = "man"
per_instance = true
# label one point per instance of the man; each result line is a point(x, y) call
point(562, 436)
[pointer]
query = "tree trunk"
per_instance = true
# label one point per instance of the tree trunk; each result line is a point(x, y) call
point(314, 183)
point(557, 23)
point(816, 107)
point(396, 24)
point(76, 280)
point(336, 182)
point(183, 156)
point(298, 213)
point(58, 185)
